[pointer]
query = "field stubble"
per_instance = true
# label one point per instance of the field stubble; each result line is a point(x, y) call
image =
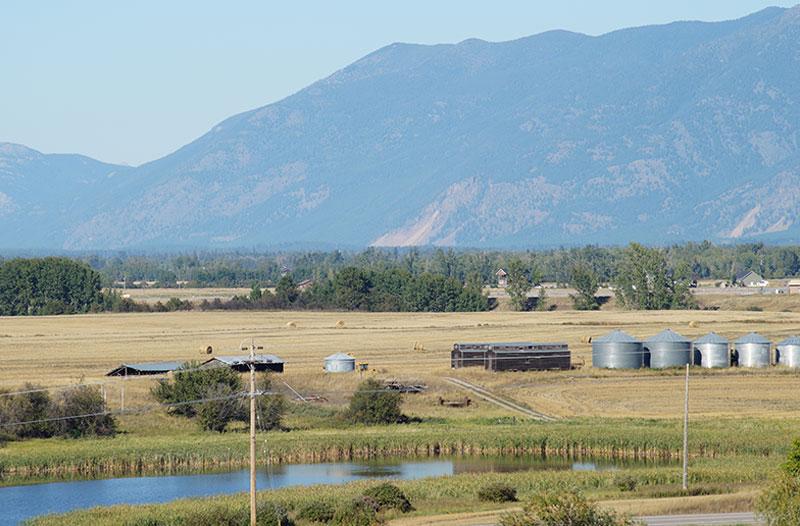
point(411, 347)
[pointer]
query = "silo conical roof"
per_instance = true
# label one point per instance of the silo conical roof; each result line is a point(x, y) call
point(667, 335)
point(711, 337)
point(340, 356)
point(791, 340)
point(753, 337)
point(616, 337)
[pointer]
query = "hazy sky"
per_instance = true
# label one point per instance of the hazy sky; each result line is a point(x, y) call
point(128, 82)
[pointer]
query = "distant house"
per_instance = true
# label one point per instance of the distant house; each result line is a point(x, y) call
point(750, 279)
point(502, 278)
point(263, 362)
point(305, 285)
point(793, 286)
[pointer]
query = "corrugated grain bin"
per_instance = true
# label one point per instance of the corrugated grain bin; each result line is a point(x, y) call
point(668, 349)
point(788, 352)
point(712, 351)
point(617, 350)
point(340, 363)
point(753, 350)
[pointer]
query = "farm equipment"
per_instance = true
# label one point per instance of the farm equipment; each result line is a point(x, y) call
point(463, 402)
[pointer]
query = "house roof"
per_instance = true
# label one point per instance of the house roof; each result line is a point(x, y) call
point(753, 337)
point(244, 359)
point(616, 336)
point(501, 272)
point(794, 283)
point(711, 337)
point(741, 275)
point(667, 335)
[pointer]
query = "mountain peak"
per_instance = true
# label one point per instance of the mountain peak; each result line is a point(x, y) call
point(677, 132)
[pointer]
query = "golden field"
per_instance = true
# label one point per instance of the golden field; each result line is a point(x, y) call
point(62, 350)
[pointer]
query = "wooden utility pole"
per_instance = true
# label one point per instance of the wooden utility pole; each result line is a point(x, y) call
point(252, 433)
point(685, 478)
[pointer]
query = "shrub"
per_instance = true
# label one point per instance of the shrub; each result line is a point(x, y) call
point(497, 492)
point(388, 496)
point(31, 405)
point(223, 405)
point(780, 502)
point(625, 482)
point(269, 514)
point(84, 400)
point(194, 384)
point(557, 509)
point(270, 408)
point(372, 403)
point(361, 511)
point(316, 511)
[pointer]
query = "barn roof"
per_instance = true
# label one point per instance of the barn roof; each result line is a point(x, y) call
point(147, 367)
point(244, 359)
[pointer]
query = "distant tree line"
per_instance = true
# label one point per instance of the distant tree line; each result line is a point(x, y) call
point(239, 269)
point(352, 288)
point(400, 280)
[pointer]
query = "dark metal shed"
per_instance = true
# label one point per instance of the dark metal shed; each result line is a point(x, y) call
point(528, 357)
point(511, 356)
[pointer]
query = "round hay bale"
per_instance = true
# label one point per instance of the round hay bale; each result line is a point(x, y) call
point(586, 339)
point(291, 325)
point(692, 324)
point(340, 324)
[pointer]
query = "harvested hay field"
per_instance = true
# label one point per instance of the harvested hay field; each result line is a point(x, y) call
point(409, 347)
point(195, 295)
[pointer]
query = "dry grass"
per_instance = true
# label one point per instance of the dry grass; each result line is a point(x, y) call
point(66, 349)
point(726, 503)
point(191, 294)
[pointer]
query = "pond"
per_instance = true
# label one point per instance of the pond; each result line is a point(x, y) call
point(18, 503)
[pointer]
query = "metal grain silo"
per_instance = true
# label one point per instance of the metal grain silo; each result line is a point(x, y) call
point(617, 350)
point(788, 352)
point(340, 363)
point(712, 351)
point(753, 350)
point(668, 349)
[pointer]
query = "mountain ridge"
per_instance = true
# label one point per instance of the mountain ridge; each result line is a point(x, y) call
point(675, 132)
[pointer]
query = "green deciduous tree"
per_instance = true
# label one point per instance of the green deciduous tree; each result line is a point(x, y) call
point(585, 282)
point(48, 286)
point(373, 403)
point(645, 282)
point(519, 284)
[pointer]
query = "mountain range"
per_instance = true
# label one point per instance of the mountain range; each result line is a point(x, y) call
point(658, 134)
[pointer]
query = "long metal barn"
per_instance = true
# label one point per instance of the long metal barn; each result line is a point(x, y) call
point(511, 356)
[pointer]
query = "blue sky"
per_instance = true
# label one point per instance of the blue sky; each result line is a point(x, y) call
point(129, 82)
